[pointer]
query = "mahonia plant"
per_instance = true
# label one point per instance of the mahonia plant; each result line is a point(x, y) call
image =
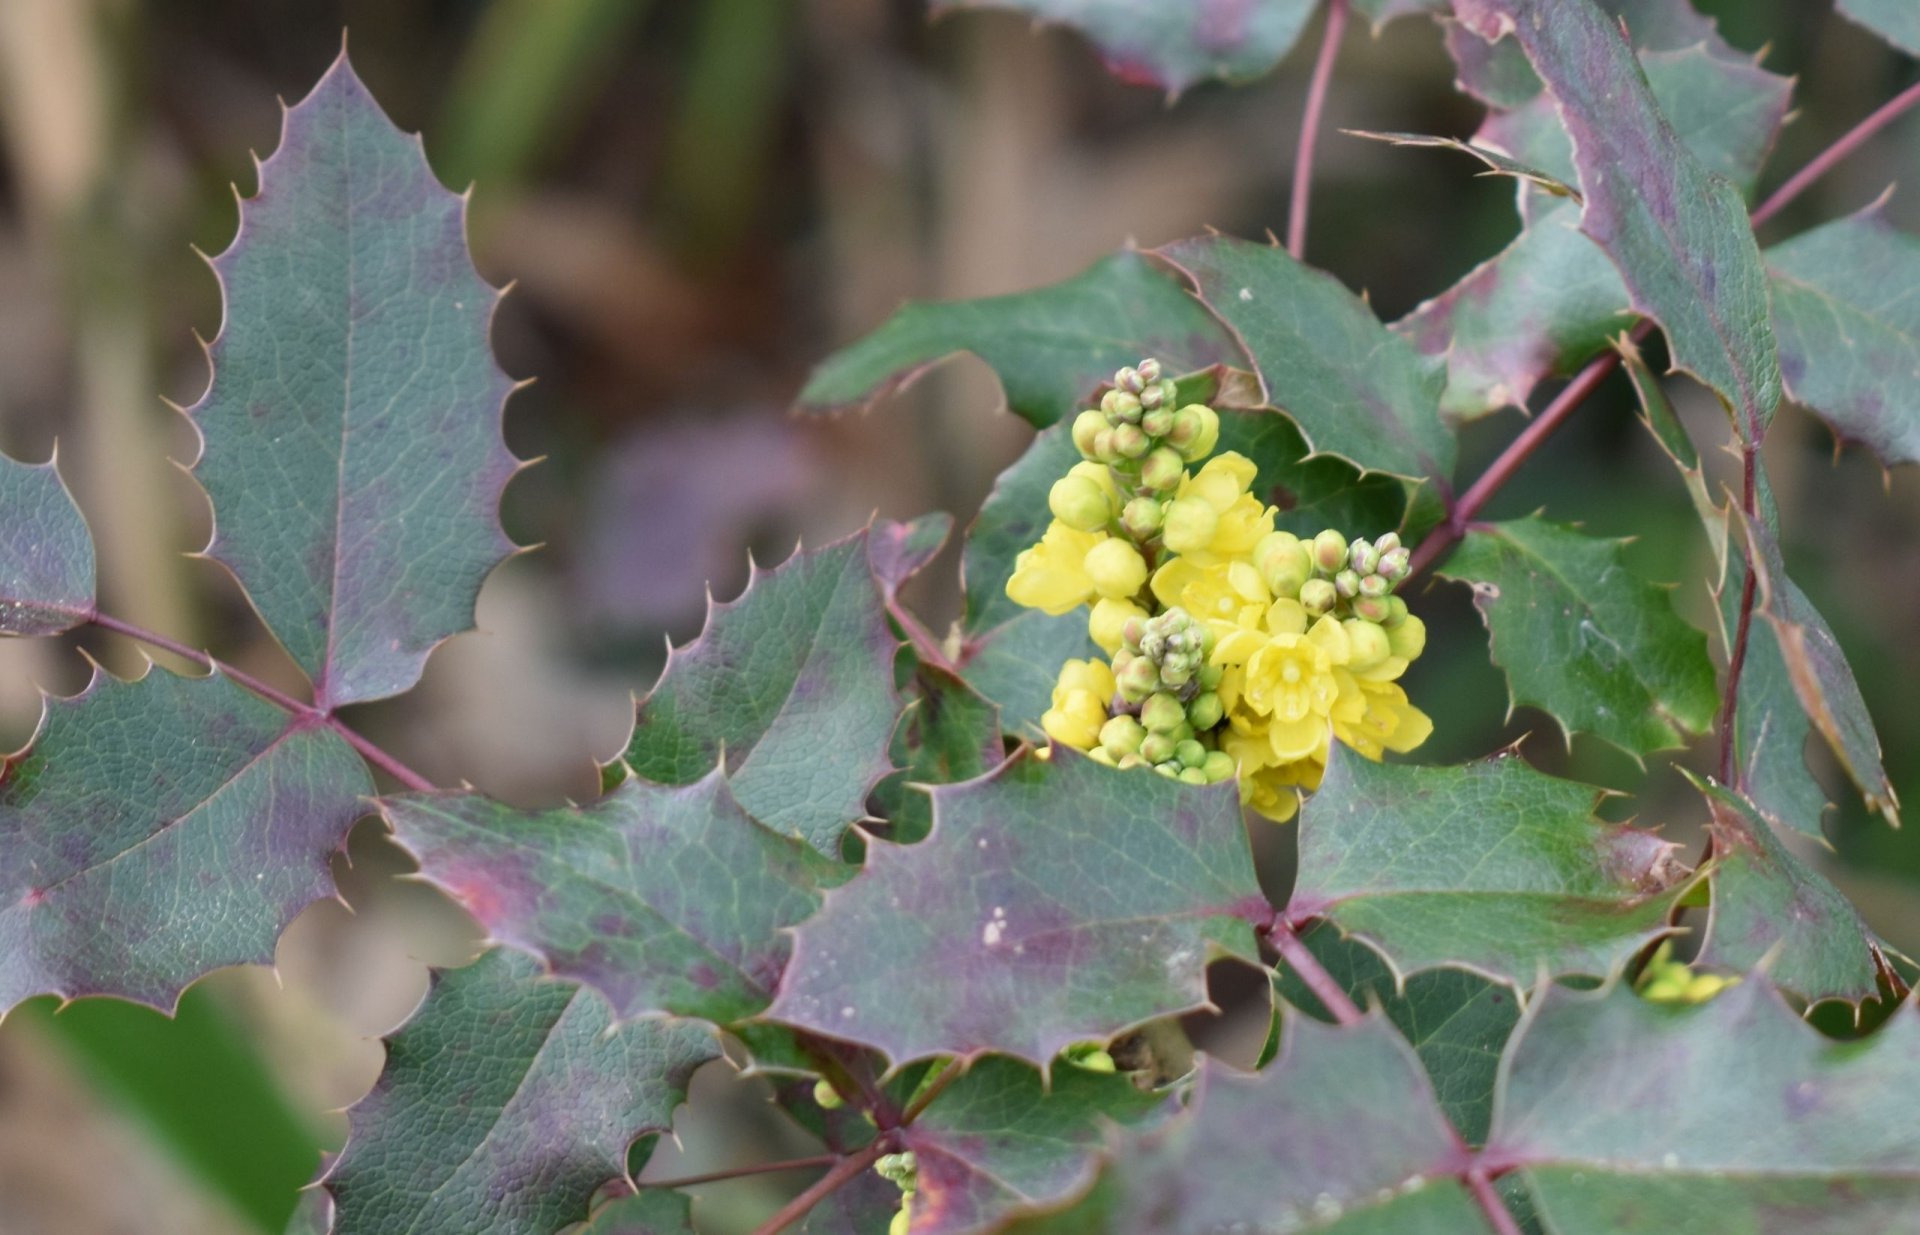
point(924, 884)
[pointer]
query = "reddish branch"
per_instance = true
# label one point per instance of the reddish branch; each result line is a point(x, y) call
point(741, 1172)
point(1310, 128)
point(1307, 967)
point(843, 1173)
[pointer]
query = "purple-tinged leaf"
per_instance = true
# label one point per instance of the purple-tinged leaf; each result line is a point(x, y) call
point(352, 428)
point(899, 551)
point(1355, 389)
point(1490, 866)
point(1633, 1118)
point(793, 683)
point(1498, 73)
point(620, 1211)
point(1496, 163)
point(1678, 232)
point(1772, 911)
point(46, 552)
point(1049, 346)
point(668, 901)
point(949, 733)
point(1055, 901)
point(158, 829)
point(864, 1206)
point(506, 1102)
point(1896, 21)
point(1818, 670)
point(1849, 329)
point(1171, 45)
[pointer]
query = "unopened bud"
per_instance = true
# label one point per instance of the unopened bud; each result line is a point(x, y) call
point(1131, 634)
point(1137, 681)
point(1087, 427)
point(1205, 711)
point(1157, 422)
point(1387, 542)
point(1129, 442)
point(1157, 748)
point(1190, 754)
point(1152, 396)
point(1376, 609)
point(1161, 714)
point(1376, 586)
point(1211, 676)
point(1361, 555)
point(1103, 448)
point(826, 1097)
point(1195, 431)
point(1149, 370)
point(1367, 644)
point(1329, 552)
point(1396, 612)
point(1218, 767)
point(1192, 776)
point(1408, 638)
point(1116, 568)
point(1079, 503)
point(1395, 565)
point(1142, 518)
point(1317, 597)
point(1162, 469)
point(1347, 583)
point(1122, 735)
point(1129, 380)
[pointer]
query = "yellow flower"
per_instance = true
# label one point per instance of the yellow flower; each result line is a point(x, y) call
point(1108, 624)
point(1239, 521)
point(1213, 593)
point(1116, 568)
point(1384, 720)
point(1052, 576)
point(1080, 700)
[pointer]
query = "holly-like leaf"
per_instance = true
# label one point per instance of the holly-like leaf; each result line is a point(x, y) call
point(1679, 232)
point(899, 551)
point(1497, 163)
point(619, 1211)
point(1055, 901)
point(1049, 346)
point(1000, 1142)
point(507, 1100)
point(1772, 911)
point(46, 552)
point(352, 429)
point(312, 1214)
point(158, 829)
point(1585, 640)
point(1849, 330)
point(1490, 866)
point(1633, 1118)
point(1339, 1136)
point(1457, 1022)
point(1354, 388)
point(1172, 46)
point(793, 683)
point(1659, 418)
point(1498, 73)
point(1896, 21)
point(1818, 670)
point(666, 900)
point(949, 733)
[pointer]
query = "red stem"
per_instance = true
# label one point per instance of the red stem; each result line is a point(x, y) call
point(279, 698)
point(1826, 160)
point(1490, 1203)
point(933, 1090)
point(1313, 973)
point(741, 1172)
point(1732, 772)
point(842, 1173)
point(1310, 127)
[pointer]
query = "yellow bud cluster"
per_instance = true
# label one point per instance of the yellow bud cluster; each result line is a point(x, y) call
point(1665, 980)
point(1303, 640)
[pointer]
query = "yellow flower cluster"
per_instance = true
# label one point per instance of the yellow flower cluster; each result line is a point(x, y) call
point(1233, 649)
point(1665, 980)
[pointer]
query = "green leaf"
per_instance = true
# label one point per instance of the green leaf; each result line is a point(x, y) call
point(948, 734)
point(1772, 911)
point(1339, 1136)
point(1172, 46)
point(312, 1215)
point(1000, 1141)
point(1310, 492)
point(668, 901)
point(46, 552)
point(1678, 231)
point(651, 1212)
point(1497, 163)
point(1819, 673)
point(899, 551)
point(1583, 639)
point(1456, 1022)
point(1634, 1118)
point(352, 429)
point(1659, 419)
point(1498, 73)
point(1049, 346)
point(506, 1101)
point(158, 829)
point(1849, 331)
point(793, 683)
point(1896, 21)
point(1354, 388)
point(1490, 866)
point(1055, 901)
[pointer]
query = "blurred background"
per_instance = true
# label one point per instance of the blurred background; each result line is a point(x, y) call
point(696, 200)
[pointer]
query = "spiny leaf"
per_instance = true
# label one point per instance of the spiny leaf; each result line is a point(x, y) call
point(1659, 418)
point(46, 552)
point(1354, 388)
point(1583, 639)
point(1000, 1142)
point(793, 682)
point(949, 733)
point(1634, 1118)
point(158, 829)
point(1819, 672)
point(1771, 910)
point(1679, 233)
point(1055, 901)
point(1339, 1136)
point(312, 1214)
point(506, 1101)
point(1896, 21)
point(666, 900)
point(1498, 73)
point(1172, 46)
point(899, 551)
point(651, 1212)
point(1457, 1022)
point(1491, 866)
point(352, 429)
point(1049, 346)
point(1498, 164)
point(1849, 329)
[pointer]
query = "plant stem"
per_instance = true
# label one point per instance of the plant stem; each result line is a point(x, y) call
point(1310, 128)
point(1732, 772)
point(842, 1173)
point(1490, 1203)
point(949, 1073)
point(1313, 973)
point(279, 698)
point(741, 1172)
point(1829, 158)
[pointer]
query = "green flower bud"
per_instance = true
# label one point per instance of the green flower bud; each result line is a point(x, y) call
point(1141, 517)
point(1157, 748)
point(1218, 767)
point(1138, 680)
point(1104, 450)
point(1396, 612)
point(901, 1168)
point(1195, 432)
point(1409, 638)
point(1157, 422)
point(1386, 543)
point(1210, 676)
point(1099, 755)
point(1089, 1055)
point(1152, 396)
point(1129, 762)
point(1149, 370)
point(1122, 407)
point(1368, 644)
point(1169, 769)
point(1318, 596)
point(1086, 431)
point(1347, 583)
point(1329, 552)
point(1128, 380)
point(1130, 635)
point(1162, 469)
point(1182, 732)
point(1375, 609)
point(1204, 712)
point(1192, 776)
point(1190, 524)
point(1161, 714)
point(1130, 442)
point(1175, 673)
point(1079, 503)
point(1361, 555)
point(1122, 735)
point(1279, 552)
point(1375, 586)
point(826, 1097)
point(1190, 753)
point(1395, 565)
